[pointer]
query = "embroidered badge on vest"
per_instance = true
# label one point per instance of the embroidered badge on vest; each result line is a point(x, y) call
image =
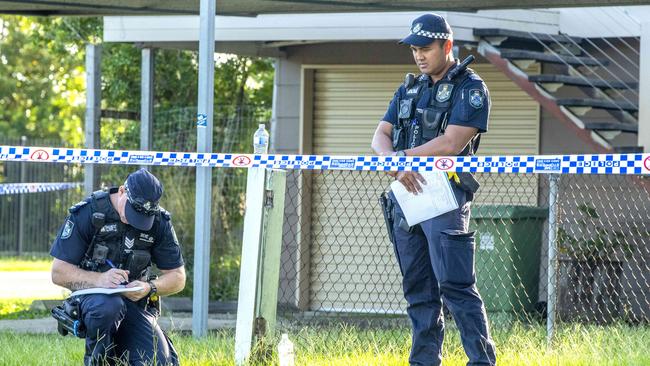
point(413, 90)
point(110, 228)
point(67, 229)
point(476, 98)
point(444, 92)
point(146, 238)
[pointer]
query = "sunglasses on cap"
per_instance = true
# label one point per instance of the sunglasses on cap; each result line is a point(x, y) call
point(140, 204)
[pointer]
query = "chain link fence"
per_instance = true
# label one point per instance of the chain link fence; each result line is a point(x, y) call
point(338, 266)
point(603, 246)
point(30, 221)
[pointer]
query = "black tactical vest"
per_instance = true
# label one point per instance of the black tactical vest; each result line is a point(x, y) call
point(418, 126)
point(116, 243)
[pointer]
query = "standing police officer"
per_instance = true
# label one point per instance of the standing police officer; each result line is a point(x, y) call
point(440, 113)
point(112, 238)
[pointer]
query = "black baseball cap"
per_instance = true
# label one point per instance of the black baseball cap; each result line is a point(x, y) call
point(427, 28)
point(143, 192)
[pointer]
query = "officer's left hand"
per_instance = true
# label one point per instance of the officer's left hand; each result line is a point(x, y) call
point(412, 181)
point(137, 295)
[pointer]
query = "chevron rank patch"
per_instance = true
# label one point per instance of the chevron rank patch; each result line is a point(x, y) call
point(67, 229)
point(129, 242)
point(476, 98)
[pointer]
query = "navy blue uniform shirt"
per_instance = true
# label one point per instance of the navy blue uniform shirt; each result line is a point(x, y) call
point(470, 106)
point(165, 254)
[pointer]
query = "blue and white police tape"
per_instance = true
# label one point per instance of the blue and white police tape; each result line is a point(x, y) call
point(17, 188)
point(565, 164)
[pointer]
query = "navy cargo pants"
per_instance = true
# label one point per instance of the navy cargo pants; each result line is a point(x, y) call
point(437, 264)
point(119, 328)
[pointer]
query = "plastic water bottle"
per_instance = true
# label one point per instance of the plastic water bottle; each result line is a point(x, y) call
point(285, 351)
point(261, 140)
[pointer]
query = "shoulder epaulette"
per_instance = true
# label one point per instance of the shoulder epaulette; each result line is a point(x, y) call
point(100, 194)
point(74, 208)
point(164, 213)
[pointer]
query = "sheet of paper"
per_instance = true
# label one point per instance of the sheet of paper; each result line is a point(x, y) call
point(108, 291)
point(436, 199)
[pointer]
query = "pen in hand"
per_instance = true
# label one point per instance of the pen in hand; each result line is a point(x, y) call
point(108, 261)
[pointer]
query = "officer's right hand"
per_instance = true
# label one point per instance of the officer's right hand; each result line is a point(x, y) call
point(412, 181)
point(113, 277)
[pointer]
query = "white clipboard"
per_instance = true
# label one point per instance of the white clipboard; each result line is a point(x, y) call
point(107, 291)
point(437, 198)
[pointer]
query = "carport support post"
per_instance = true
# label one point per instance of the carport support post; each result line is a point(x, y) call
point(551, 274)
point(644, 88)
point(146, 100)
point(93, 111)
point(260, 260)
point(203, 211)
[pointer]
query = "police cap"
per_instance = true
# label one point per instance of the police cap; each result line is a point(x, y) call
point(427, 28)
point(143, 191)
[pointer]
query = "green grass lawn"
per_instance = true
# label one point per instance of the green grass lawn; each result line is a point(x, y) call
point(575, 345)
point(520, 345)
point(25, 263)
point(19, 309)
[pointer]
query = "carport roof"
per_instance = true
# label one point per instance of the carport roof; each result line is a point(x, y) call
point(254, 7)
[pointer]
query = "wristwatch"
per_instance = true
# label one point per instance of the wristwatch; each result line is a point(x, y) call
point(154, 289)
point(400, 153)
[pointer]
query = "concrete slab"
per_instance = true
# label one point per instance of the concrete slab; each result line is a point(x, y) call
point(179, 323)
point(29, 284)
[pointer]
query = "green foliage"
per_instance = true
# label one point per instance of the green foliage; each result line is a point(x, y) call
point(41, 262)
point(19, 309)
point(42, 81)
point(591, 241)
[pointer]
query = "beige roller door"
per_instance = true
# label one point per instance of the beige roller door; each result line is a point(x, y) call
point(352, 261)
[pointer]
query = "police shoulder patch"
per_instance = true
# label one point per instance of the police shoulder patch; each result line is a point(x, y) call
point(67, 229)
point(476, 98)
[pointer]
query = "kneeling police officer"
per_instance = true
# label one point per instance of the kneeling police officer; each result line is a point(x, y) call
point(113, 238)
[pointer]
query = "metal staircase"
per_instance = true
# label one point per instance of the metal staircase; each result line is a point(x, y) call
point(579, 85)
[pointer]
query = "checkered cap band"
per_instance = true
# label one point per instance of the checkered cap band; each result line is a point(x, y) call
point(432, 35)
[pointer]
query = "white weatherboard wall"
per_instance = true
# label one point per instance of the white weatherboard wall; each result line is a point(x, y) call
point(318, 27)
point(352, 262)
point(604, 21)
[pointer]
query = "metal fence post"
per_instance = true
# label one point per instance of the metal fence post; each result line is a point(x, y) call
point(21, 208)
point(552, 257)
point(93, 112)
point(203, 206)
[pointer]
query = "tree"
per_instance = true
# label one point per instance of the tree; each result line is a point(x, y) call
point(42, 85)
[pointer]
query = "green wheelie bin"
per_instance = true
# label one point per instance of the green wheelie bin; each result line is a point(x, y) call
point(508, 252)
